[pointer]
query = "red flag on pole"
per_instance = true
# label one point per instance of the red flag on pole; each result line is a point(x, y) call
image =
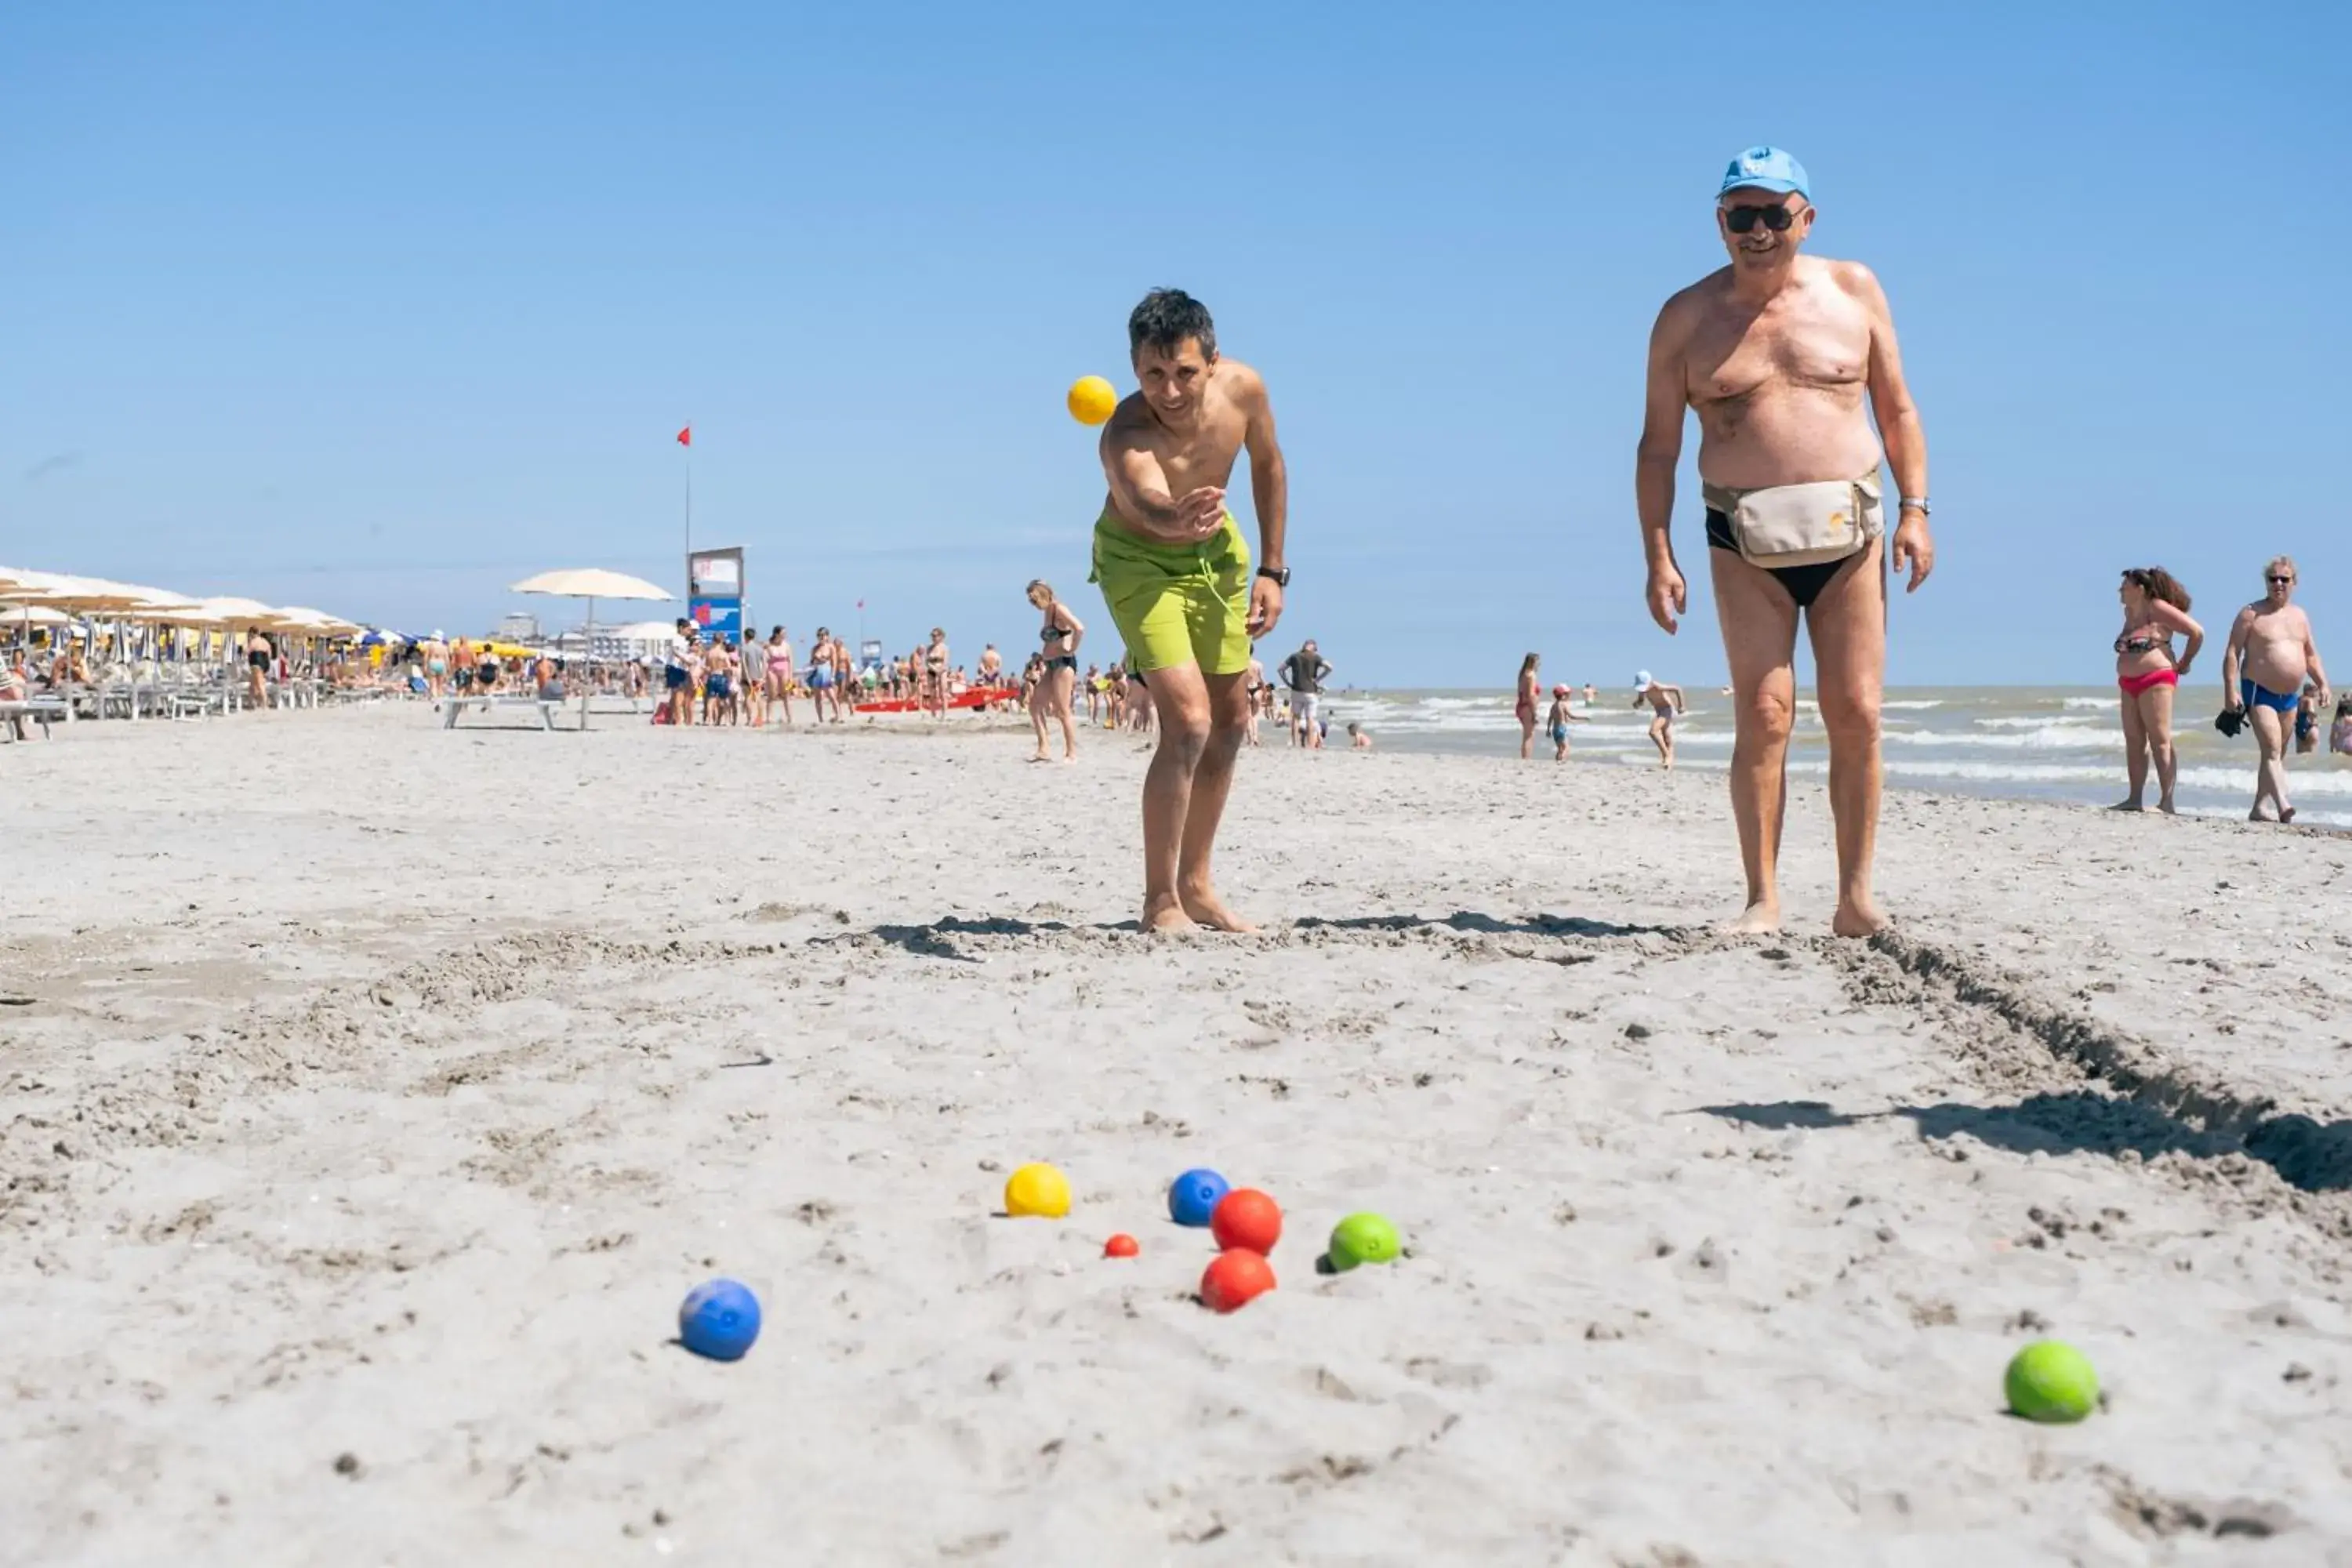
point(686, 437)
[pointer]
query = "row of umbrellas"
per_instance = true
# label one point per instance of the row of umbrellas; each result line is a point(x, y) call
point(51, 598)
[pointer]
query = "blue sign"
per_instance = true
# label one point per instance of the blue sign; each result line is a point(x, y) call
point(716, 616)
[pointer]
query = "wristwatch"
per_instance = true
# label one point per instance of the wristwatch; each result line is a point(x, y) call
point(1280, 575)
point(1916, 503)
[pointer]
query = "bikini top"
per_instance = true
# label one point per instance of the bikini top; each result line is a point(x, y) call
point(1052, 632)
point(2162, 642)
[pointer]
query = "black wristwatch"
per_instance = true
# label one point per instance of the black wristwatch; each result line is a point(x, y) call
point(1280, 575)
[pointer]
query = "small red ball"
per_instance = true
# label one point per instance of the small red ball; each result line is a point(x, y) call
point(1248, 1219)
point(1120, 1245)
point(1236, 1279)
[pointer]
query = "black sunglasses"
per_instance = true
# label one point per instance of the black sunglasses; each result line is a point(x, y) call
point(1776, 217)
point(2276, 577)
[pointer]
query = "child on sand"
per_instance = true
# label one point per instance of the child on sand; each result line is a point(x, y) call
point(1557, 723)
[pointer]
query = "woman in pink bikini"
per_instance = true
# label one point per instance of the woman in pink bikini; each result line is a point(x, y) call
point(2155, 609)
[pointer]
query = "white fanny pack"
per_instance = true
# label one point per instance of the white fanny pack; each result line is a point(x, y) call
point(1801, 525)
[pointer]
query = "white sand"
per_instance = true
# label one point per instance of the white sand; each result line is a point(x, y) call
point(377, 1091)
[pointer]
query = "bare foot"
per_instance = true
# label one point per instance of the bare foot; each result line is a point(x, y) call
point(1165, 916)
point(1864, 919)
point(2286, 813)
point(1756, 919)
point(1210, 911)
point(2256, 815)
point(1066, 756)
point(2127, 805)
point(2165, 806)
point(1041, 757)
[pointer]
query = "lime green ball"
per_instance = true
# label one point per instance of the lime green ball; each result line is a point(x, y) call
point(2050, 1381)
point(1363, 1239)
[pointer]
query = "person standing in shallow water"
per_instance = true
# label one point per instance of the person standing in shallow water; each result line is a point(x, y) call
point(1178, 580)
point(1785, 359)
point(1523, 704)
point(2156, 610)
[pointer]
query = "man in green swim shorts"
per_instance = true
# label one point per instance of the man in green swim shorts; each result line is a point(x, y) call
point(1176, 576)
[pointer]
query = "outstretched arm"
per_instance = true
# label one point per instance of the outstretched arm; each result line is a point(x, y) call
point(1139, 486)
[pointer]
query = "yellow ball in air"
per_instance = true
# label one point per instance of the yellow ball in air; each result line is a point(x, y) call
point(1093, 400)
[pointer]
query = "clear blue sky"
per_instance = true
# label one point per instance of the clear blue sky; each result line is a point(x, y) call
point(380, 307)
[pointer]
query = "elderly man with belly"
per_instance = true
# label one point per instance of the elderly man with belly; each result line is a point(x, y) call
point(1785, 359)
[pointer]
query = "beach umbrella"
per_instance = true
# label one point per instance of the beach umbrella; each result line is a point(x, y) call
point(590, 583)
point(59, 591)
point(32, 614)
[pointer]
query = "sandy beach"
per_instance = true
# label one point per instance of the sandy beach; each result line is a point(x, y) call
point(373, 1094)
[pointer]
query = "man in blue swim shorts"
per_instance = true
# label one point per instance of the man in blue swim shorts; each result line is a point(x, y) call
point(2271, 655)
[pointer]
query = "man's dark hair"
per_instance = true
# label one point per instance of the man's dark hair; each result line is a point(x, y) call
point(1165, 319)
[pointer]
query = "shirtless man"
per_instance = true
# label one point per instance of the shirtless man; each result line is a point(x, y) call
point(1665, 701)
point(1776, 353)
point(2270, 656)
point(1177, 578)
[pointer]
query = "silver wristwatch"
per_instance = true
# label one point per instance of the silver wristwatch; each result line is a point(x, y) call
point(1917, 503)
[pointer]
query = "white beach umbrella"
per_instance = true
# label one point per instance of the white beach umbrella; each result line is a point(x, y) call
point(231, 612)
point(32, 614)
point(67, 593)
point(592, 583)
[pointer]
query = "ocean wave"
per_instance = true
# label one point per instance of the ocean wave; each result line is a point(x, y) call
point(2298, 784)
point(2035, 721)
point(2002, 772)
point(1914, 702)
point(2106, 704)
point(2046, 737)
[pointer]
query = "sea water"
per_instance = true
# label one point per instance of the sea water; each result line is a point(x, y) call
point(2056, 743)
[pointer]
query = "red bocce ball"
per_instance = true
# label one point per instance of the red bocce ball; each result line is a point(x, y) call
point(1248, 1219)
point(1236, 1279)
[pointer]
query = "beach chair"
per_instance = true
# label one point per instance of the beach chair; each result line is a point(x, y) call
point(41, 710)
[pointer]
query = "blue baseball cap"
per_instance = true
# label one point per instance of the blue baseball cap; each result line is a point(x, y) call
point(1766, 169)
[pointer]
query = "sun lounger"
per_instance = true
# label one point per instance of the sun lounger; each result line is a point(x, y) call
point(451, 707)
point(41, 710)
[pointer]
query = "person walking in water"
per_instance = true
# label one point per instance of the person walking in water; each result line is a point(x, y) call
point(1057, 678)
point(1664, 701)
point(1179, 584)
point(2156, 610)
point(1785, 359)
point(2270, 656)
point(1523, 704)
